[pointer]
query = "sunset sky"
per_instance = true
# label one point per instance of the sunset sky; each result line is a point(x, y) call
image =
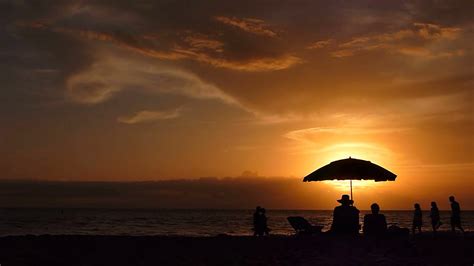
point(261, 91)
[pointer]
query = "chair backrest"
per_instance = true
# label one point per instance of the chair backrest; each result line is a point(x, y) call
point(299, 223)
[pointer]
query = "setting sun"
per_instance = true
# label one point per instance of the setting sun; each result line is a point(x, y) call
point(357, 185)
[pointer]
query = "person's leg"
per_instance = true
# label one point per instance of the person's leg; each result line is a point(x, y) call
point(438, 224)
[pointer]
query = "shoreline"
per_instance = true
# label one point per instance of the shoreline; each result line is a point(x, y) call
point(439, 234)
point(323, 249)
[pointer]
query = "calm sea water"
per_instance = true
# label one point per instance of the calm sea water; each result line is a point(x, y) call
point(175, 222)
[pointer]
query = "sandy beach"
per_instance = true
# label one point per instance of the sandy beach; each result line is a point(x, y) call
point(445, 249)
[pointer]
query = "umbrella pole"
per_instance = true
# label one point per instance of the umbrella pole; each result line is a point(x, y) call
point(351, 191)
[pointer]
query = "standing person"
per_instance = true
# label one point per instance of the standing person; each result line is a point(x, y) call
point(260, 227)
point(455, 215)
point(345, 217)
point(434, 215)
point(417, 218)
point(257, 222)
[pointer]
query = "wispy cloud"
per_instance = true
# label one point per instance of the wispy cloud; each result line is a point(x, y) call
point(320, 44)
point(311, 134)
point(251, 25)
point(145, 116)
point(200, 42)
point(252, 65)
point(197, 47)
point(412, 41)
point(116, 72)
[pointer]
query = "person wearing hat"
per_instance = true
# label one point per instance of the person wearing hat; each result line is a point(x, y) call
point(345, 217)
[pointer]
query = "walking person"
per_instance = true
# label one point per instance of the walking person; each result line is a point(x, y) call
point(417, 219)
point(434, 215)
point(455, 215)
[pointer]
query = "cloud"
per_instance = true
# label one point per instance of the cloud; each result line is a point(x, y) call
point(116, 72)
point(251, 25)
point(414, 41)
point(226, 193)
point(312, 134)
point(145, 116)
point(213, 193)
point(333, 143)
point(200, 42)
point(204, 44)
point(136, 54)
point(199, 48)
point(253, 65)
point(434, 32)
point(320, 44)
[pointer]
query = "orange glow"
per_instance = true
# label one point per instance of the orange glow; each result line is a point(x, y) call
point(357, 185)
point(128, 93)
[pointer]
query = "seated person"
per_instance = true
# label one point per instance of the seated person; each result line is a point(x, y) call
point(345, 217)
point(375, 223)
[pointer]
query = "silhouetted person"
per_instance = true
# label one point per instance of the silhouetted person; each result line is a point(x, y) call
point(260, 227)
point(256, 221)
point(263, 218)
point(434, 215)
point(375, 223)
point(417, 218)
point(455, 215)
point(345, 217)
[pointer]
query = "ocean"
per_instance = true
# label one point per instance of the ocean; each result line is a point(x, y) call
point(177, 222)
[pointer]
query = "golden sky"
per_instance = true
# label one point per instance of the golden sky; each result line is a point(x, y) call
point(154, 90)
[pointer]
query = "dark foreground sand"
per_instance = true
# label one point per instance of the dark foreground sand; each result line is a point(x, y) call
point(226, 250)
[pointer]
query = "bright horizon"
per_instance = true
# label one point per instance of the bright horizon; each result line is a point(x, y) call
point(257, 91)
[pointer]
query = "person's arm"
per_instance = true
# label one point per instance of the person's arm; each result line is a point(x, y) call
point(335, 219)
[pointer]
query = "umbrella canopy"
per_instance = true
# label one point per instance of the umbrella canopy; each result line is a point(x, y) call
point(351, 169)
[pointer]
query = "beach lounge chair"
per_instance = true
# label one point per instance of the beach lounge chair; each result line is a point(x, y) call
point(396, 231)
point(303, 227)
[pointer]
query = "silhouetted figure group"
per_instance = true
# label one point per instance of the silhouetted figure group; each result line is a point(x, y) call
point(346, 219)
point(260, 227)
point(435, 217)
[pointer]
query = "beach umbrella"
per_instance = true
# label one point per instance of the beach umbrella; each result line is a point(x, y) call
point(351, 169)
